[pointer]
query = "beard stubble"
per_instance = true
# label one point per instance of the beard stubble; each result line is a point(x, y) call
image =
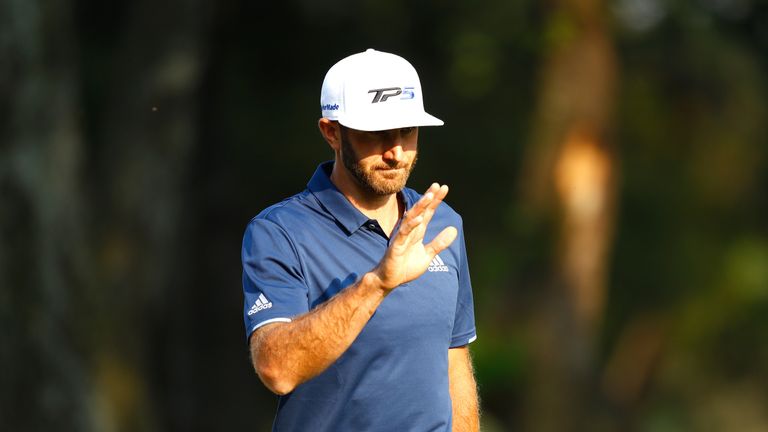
point(368, 179)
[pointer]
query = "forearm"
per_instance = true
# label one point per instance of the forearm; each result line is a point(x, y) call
point(288, 354)
point(463, 389)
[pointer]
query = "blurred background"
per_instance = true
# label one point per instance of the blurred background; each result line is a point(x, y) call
point(609, 159)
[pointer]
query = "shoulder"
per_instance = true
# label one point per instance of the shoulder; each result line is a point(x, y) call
point(287, 212)
point(283, 217)
point(271, 230)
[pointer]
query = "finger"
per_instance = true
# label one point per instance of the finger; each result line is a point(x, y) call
point(440, 194)
point(432, 206)
point(442, 241)
point(408, 225)
point(424, 201)
point(415, 216)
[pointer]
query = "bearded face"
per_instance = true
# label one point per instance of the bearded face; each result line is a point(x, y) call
point(379, 176)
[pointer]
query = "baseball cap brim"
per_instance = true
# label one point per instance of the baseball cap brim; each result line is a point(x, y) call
point(368, 124)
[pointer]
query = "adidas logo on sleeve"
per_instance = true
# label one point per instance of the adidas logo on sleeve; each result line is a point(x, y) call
point(260, 304)
point(437, 265)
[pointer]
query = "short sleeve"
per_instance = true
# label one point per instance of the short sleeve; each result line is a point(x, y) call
point(273, 282)
point(464, 331)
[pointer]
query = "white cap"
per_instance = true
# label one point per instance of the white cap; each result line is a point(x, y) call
point(374, 90)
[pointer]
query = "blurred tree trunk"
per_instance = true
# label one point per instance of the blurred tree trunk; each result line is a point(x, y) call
point(570, 177)
point(44, 381)
point(148, 129)
point(90, 230)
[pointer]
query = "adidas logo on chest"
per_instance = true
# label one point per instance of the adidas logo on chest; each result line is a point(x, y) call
point(437, 265)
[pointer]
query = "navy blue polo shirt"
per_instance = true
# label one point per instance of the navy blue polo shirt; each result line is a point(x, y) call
point(299, 253)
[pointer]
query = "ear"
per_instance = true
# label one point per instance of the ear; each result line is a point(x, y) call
point(331, 132)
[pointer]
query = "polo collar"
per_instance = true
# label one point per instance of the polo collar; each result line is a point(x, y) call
point(336, 203)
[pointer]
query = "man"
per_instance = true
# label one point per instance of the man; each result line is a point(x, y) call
point(358, 304)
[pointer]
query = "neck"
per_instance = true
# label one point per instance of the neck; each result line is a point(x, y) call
point(386, 209)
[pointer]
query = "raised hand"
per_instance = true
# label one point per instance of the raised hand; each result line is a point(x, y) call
point(407, 256)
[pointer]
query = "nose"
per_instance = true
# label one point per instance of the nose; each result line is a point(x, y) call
point(394, 152)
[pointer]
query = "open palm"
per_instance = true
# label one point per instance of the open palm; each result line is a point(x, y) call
point(407, 256)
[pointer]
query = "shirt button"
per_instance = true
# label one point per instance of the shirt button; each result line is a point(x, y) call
point(371, 226)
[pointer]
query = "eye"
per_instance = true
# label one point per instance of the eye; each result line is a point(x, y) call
point(407, 130)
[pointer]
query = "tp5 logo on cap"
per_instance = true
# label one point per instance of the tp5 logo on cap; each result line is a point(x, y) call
point(383, 94)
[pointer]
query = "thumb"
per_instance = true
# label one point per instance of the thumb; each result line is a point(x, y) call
point(442, 241)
